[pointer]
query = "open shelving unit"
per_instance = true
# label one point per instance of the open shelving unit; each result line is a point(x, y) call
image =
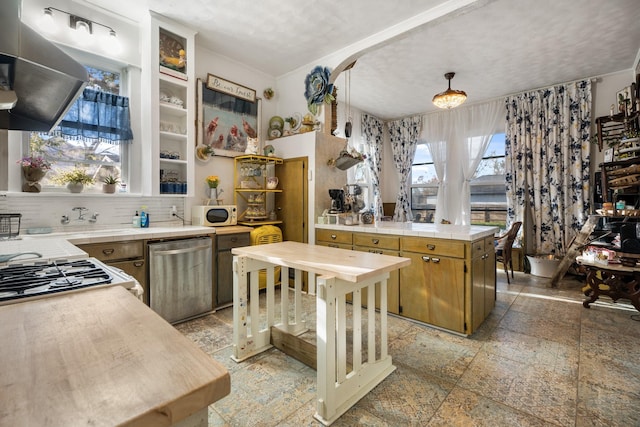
point(171, 95)
point(255, 202)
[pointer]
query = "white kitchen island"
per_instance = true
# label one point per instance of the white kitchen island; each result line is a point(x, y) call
point(339, 273)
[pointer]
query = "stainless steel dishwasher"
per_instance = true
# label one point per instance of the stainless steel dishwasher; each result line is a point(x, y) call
point(180, 285)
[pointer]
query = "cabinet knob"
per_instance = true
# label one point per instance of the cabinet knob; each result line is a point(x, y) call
point(138, 263)
point(435, 260)
point(431, 247)
point(108, 251)
point(334, 237)
point(375, 241)
point(426, 258)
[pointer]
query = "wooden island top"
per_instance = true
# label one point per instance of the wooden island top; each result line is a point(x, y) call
point(100, 358)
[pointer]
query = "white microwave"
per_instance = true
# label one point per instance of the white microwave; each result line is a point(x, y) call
point(214, 216)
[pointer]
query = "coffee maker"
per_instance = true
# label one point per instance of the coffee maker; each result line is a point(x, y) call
point(337, 200)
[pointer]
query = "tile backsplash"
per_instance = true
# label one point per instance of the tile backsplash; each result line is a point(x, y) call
point(41, 210)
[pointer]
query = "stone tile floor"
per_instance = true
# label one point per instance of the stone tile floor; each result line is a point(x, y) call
point(539, 359)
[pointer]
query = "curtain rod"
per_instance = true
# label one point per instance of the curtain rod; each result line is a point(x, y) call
point(592, 79)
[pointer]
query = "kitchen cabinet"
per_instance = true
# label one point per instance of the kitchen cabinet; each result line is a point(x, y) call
point(450, 283)
point(483, 279)
point(432, 288)
point(128, 256)
point(223, 292)
point(334, 238)
point(170, 61)
point(385, 245)
point(254, 189)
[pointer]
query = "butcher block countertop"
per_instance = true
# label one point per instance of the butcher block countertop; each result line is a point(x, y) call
point(352, 266)
point(100, 358)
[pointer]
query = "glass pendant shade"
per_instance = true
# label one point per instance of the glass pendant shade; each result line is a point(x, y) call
point(450, 98)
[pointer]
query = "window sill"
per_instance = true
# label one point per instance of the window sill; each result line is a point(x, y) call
point(68, 194)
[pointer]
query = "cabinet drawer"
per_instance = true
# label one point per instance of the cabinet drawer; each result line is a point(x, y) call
point(371, 240)
point(115, 250)
point(426, 245)
point(228, 241)
point(344, 237)
point(477, 248)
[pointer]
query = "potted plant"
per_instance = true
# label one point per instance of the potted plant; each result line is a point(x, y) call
point(109, 184)
point(33, 170)
point(75, 179)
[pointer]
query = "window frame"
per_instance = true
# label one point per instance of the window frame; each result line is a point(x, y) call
point(103, 64)
point(429, 210)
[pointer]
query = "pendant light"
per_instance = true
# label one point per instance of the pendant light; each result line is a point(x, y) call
point(450, 98)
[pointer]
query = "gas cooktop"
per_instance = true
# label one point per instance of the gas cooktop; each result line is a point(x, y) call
point(19, 281)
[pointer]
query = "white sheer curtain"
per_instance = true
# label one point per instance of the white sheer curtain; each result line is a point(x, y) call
point(474, 127)
point(434, 132)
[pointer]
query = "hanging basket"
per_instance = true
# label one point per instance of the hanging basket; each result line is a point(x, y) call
point(346, 162)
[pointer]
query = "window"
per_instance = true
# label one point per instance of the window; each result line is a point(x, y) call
point(424, 185)
point(488, 194)
point(99, 158)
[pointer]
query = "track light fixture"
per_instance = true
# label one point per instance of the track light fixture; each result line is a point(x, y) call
point(84, 29)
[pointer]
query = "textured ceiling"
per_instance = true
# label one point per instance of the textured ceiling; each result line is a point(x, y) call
point(497, 47)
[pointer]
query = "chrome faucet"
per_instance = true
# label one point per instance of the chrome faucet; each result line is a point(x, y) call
point(81, 211)
point(94, 217)
point(64, 220)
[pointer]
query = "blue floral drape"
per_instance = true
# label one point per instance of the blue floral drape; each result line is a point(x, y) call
point(98, 115)
point(404, 134)
point(547, 162)
point(373, 132)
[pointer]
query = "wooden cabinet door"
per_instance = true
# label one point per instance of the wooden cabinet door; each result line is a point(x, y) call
point(477, 291)
point(138, 269)
point(393, 283)
point(291, 204)
point(489, 276)
point(432, 290)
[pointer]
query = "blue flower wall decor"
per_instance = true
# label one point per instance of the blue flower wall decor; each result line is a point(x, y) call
point(317, 88)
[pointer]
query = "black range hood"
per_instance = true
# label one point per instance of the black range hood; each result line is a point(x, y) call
point(38, 81)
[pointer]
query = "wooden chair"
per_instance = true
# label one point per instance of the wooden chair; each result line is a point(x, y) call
point(504, 246)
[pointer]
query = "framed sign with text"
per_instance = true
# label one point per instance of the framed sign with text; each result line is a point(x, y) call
point(230, 88)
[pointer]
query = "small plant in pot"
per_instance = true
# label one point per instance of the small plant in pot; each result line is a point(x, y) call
point(75, 179)
point(109, 184)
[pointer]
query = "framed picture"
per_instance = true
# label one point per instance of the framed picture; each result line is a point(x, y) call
point(225, 122)
point(624, 97)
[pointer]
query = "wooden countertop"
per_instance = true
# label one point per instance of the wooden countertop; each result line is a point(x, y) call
point(352, 266)
point(100, 358)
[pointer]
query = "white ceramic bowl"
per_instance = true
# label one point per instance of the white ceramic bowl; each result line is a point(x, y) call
point(272, 182)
